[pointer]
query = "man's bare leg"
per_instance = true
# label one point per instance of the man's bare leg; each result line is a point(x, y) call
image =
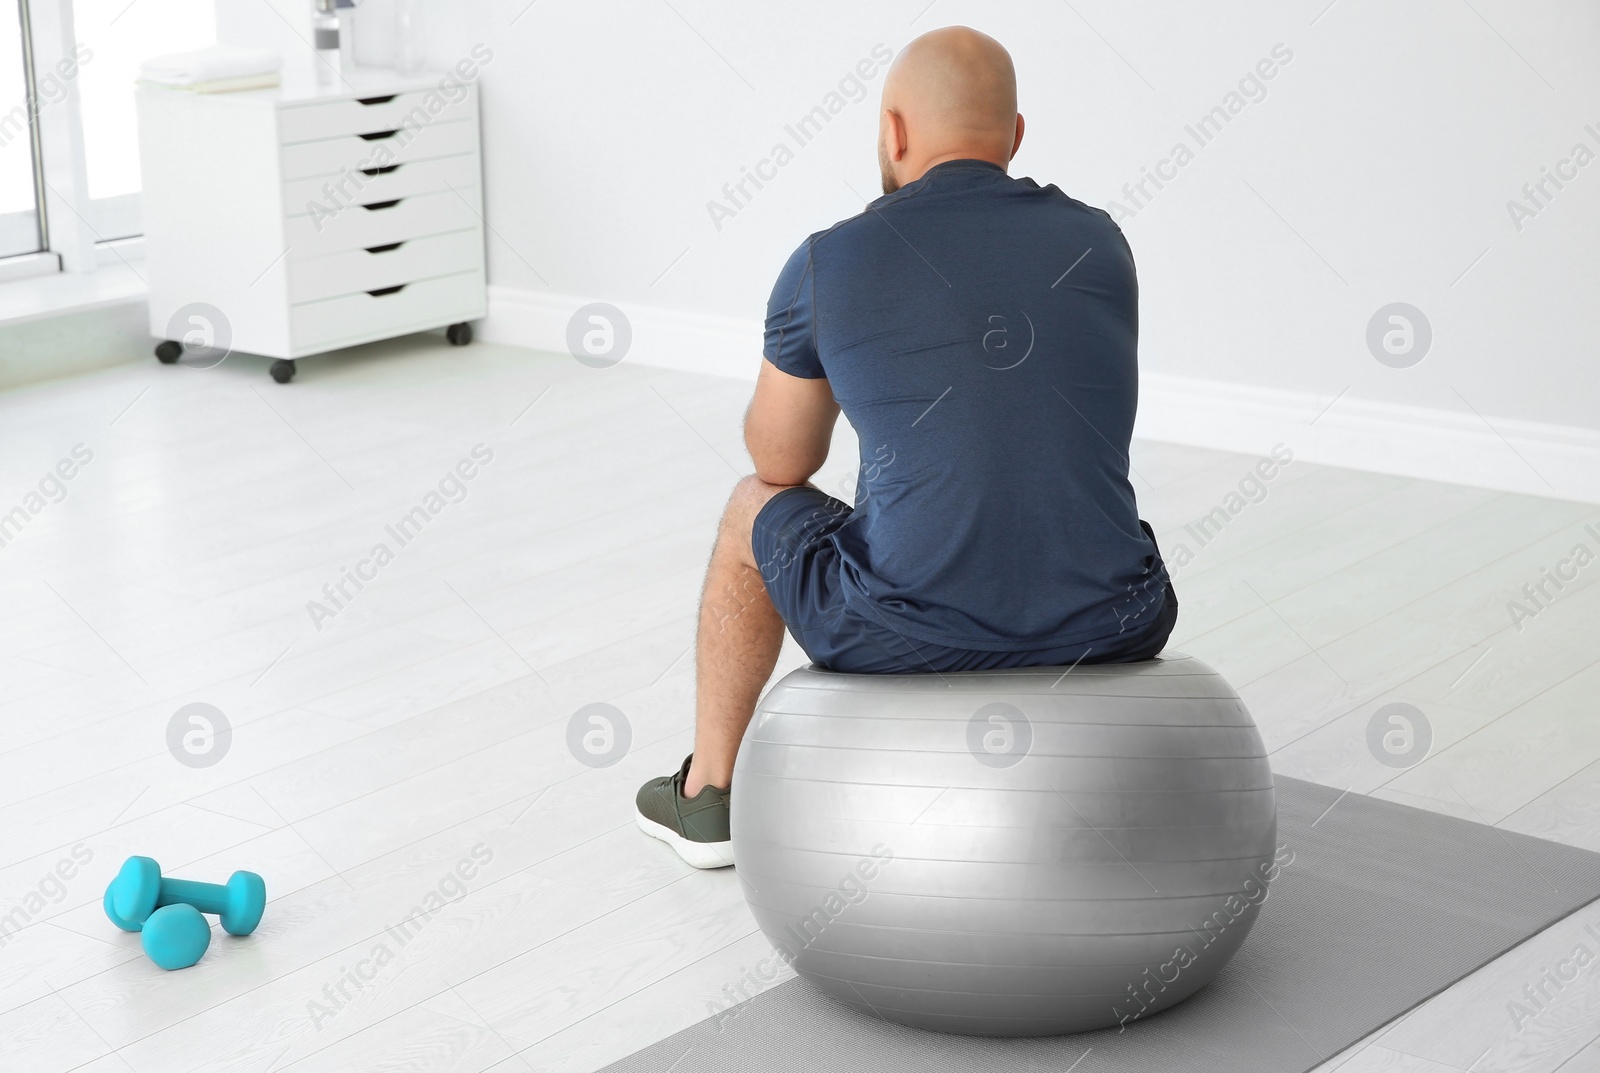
point(736, 643)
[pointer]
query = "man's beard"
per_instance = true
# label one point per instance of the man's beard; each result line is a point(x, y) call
point(890, 183)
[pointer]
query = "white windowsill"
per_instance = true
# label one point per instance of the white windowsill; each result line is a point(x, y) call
point(118, 250)
point(28, 265)
point(115, 282)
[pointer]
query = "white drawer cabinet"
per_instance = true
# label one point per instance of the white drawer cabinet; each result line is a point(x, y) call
point(382, 222)
point(296, 220)
point(378, 267)
point(350, 152)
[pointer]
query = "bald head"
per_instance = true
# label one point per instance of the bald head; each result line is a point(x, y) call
point(951, 94)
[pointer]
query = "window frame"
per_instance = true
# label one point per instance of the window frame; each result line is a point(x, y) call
point(27, 262)
point(60, 126)
point(76, 233)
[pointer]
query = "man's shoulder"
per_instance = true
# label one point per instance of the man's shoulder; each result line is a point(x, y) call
point(805, 254)
point(1070, 203)
point(847, 226)
point(1050, 199)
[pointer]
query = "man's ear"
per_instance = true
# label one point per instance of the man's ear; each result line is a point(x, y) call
point(896, 127)
point(1018, 143)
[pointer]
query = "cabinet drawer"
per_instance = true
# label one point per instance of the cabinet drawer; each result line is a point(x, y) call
point(330, 119)
point(329, 192)
point(334, 322)
point(361, 226)
point(357, 271)
point(351, 152)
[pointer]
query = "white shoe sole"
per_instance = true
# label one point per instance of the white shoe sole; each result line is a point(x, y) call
point(699, 854)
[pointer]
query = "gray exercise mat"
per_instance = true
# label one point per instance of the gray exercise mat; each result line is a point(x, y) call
point(1383, 906)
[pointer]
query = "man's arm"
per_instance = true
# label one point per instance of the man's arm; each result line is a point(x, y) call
point(789, 425)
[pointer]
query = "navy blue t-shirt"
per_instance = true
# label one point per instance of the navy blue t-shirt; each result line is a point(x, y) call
point(980, 334)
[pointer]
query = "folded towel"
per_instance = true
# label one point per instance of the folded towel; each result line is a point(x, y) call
point(217, 63)
point(220, 85)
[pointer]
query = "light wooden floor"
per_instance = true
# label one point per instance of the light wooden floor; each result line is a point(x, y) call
point(426, 722)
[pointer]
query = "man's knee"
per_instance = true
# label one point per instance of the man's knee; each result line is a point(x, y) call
point(749, 496)
point(739, 518)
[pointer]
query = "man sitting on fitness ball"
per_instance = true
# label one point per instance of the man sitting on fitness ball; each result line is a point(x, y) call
point(979, 333)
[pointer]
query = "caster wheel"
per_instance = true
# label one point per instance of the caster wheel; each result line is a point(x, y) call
point(282, 371)
point(168, 351)
point(459, 334)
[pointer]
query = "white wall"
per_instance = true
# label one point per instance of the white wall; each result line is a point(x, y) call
point(1377, 169)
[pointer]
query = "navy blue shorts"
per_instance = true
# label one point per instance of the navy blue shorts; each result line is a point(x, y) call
point(800, 567)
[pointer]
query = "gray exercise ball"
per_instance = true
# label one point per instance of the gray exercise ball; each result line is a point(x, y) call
point(1009, 853)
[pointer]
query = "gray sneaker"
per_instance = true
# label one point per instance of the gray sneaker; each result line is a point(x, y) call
point(697, 827)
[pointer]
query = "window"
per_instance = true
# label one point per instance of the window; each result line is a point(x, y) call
point(19, 204)
point(120, 36)
point(69, 150)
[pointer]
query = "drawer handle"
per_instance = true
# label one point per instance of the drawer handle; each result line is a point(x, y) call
point(381, 291)
point(379, 135)
point(375, 100)
point(385, 249)
point(376, 205)
point(369, 172)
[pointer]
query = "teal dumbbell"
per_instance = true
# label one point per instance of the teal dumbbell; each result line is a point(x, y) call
point(110, 907)
point(175, 936)
point(139, 890)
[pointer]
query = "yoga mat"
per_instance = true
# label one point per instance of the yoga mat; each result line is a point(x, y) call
point(1383, 906)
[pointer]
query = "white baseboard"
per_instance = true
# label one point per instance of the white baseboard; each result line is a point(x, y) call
point(1460, 447)
point(666, 338)
point(1502, 453)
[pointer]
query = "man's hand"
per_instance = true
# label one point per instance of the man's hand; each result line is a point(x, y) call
point(789, 425)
